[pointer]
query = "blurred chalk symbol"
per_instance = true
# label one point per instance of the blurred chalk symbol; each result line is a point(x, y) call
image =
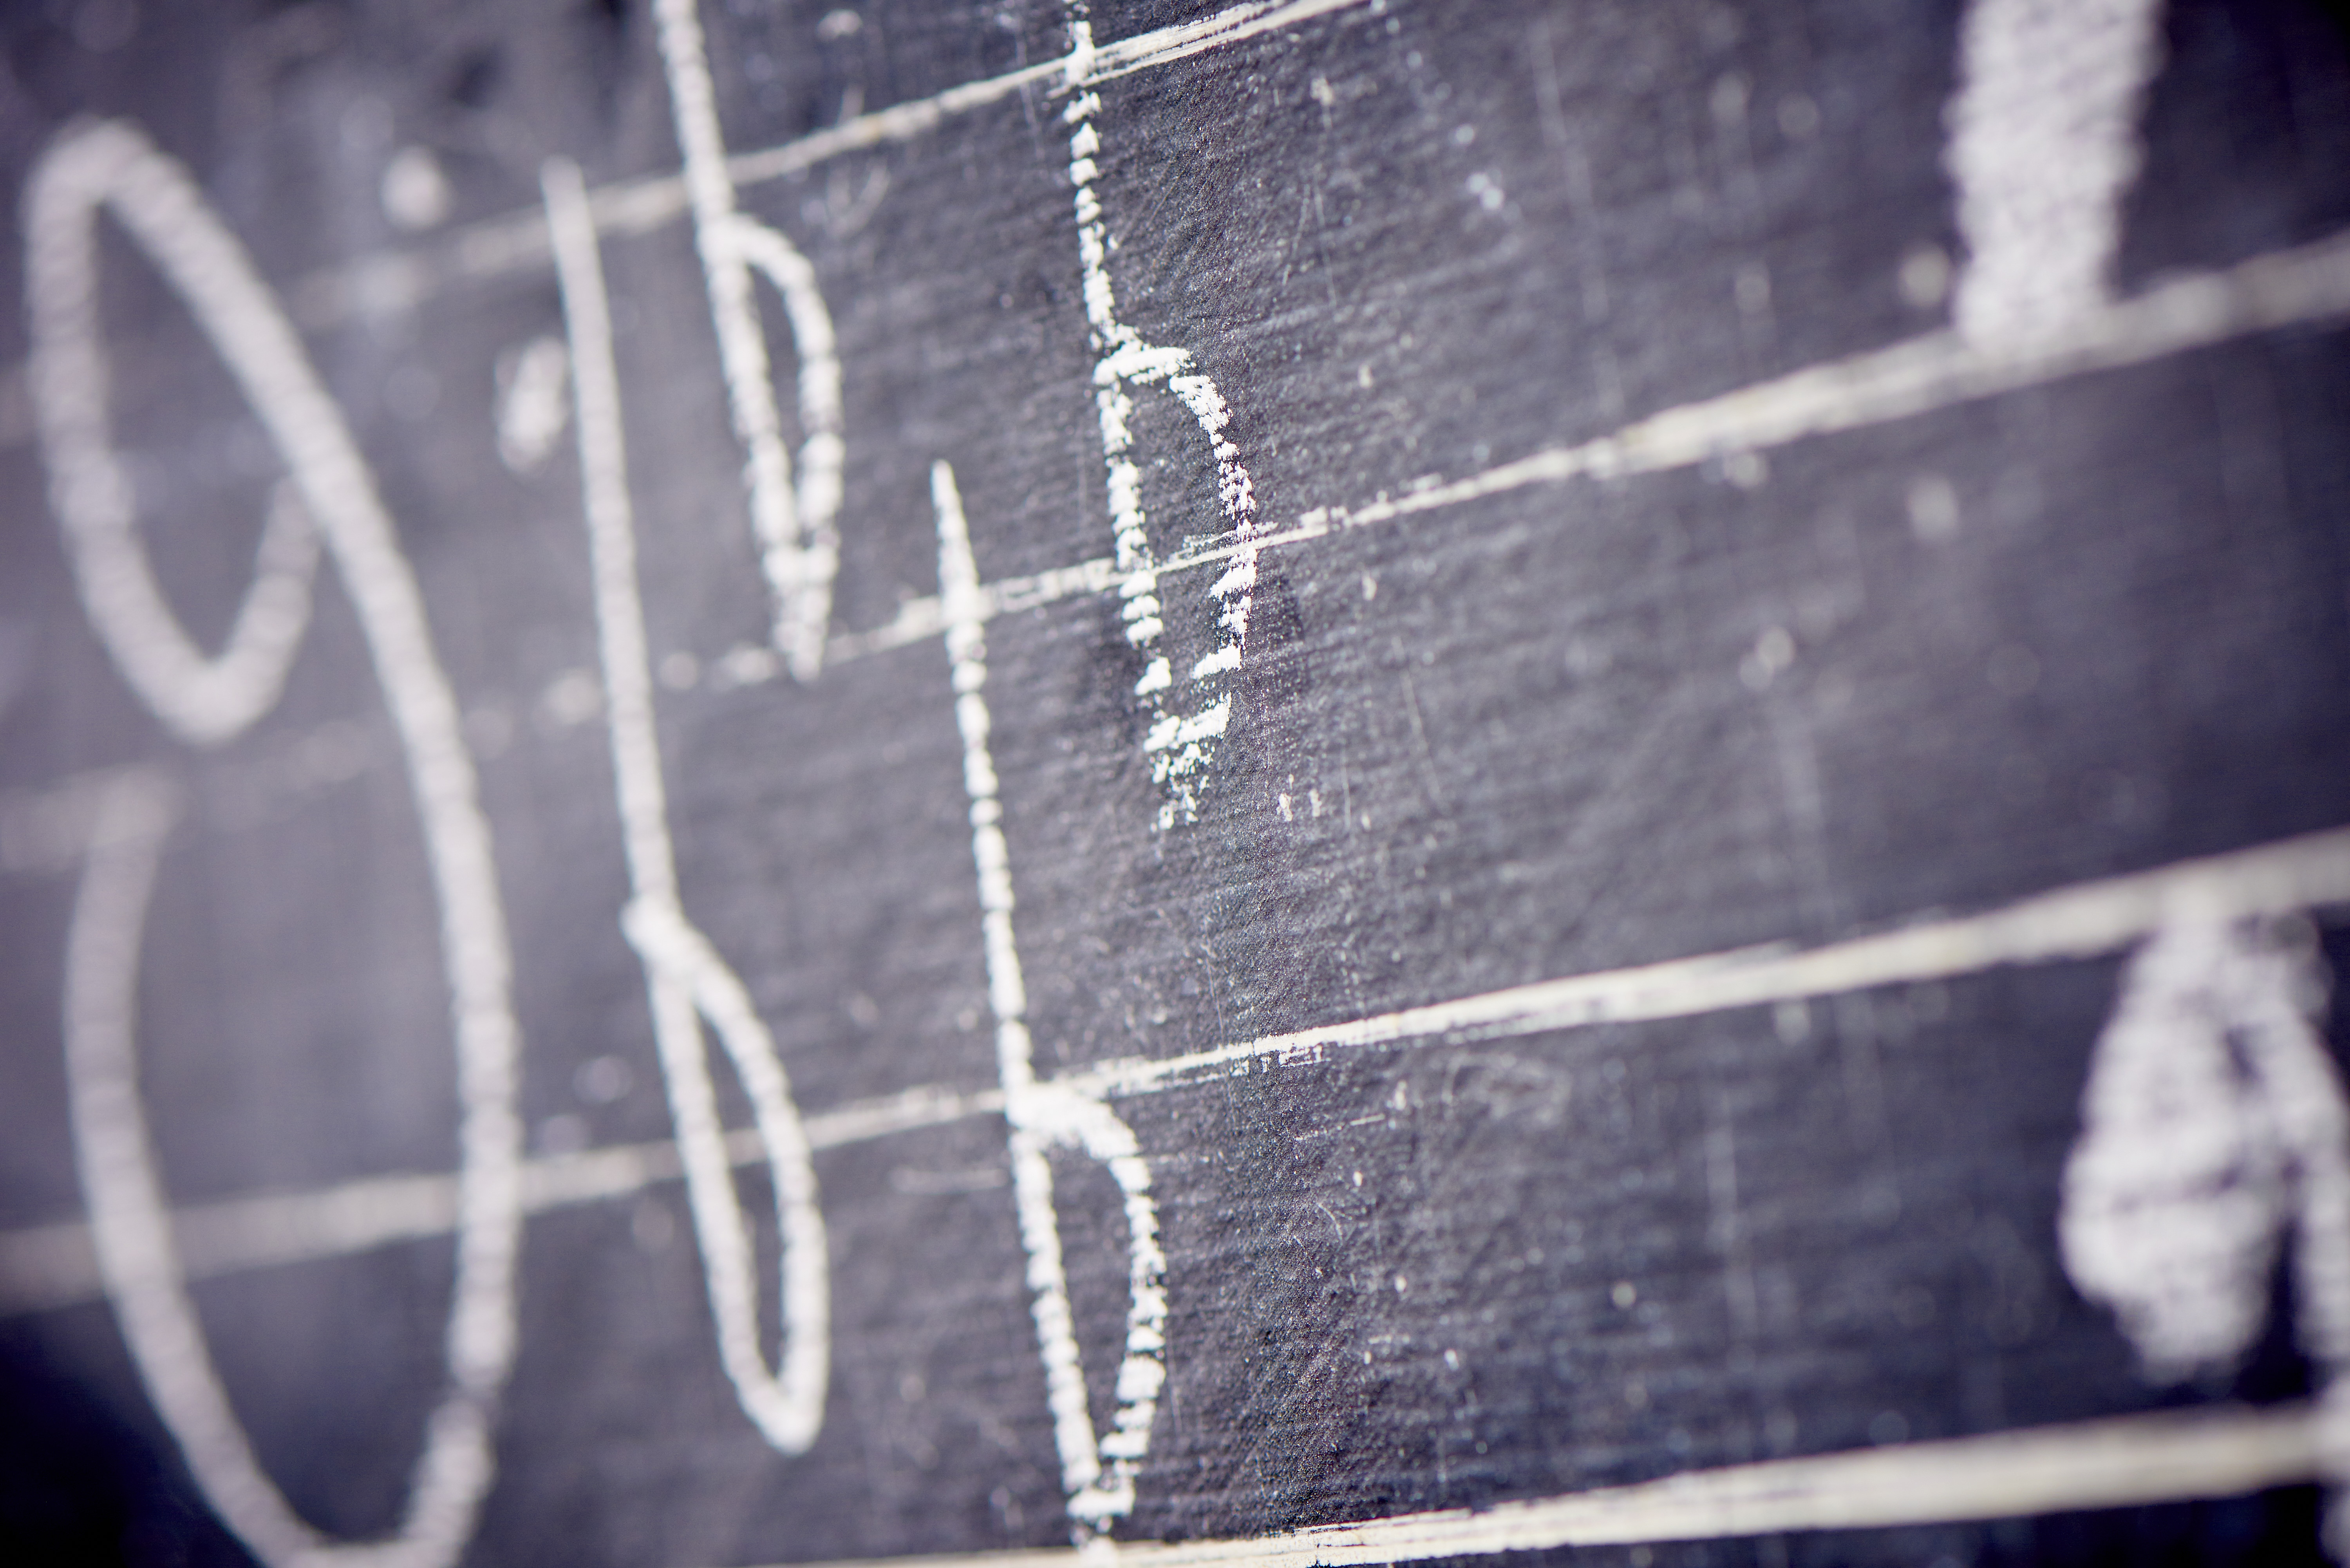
point(328, 496)
point(532, 407)
point(799, 548)
point(2212, 1129)
point(689, 981)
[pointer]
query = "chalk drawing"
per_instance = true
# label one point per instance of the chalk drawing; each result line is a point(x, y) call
point(687, 979)
point(2306, 285)
point(2218, 988)
point(532, 409)
point(2043, 145)
point(56, 1265)
point(2116, 1462)
point(2085, 921)
point(800, 548)
point(2212, 1128)
point(1181, 739)
point(113, 165)
point(1096, 1473)
point(516, 243)
point(201, 701)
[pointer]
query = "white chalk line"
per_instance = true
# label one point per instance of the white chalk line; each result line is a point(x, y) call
point(1098, 1473)
point(1925, 375)
point(2089, 920)
point(2043, 145)
point(2086, 920)
point(800, 548)
point(516, 242)
point(111, 166)
point(687, 980)
point(2305, 287)
point(2120, 1461)
point(49, 1266)
point(1181, 740)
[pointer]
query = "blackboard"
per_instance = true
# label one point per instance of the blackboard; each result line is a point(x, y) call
point(1324, 781)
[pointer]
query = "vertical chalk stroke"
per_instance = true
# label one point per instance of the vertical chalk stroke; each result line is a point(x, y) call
point(113, 165)
point(687, 980)
point(1097, 1474)
point(2213, 1127)
point(2043, 144)
point(799, 544)
point(1181, 742)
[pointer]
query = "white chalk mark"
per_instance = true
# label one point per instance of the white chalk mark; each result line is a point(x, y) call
point(2119, 1463)
point(687, 980)
point(800, 548)
point(414, 192)
point(516, 242)
point(2043, 143)
point(201, 701)
point(50, 1266)
point(1096, 1473)
point(2085, 921)
point(532, 408)
point(1181, 741)
point(2213, 1125)
point(1924, 375)
point(111, 165)
point(2209, 1091)
point(2088, 919)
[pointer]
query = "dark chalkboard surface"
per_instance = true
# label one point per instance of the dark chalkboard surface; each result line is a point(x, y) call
point(1331, 782)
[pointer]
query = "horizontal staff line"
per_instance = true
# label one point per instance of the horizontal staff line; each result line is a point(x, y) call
point(2307, 285)
point(516, 242)
point(2088, 919)
point(52, 1266)
point(2117, 1461)
point(1923, 375)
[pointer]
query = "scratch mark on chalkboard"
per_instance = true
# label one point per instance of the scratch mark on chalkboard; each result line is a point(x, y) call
point(1729, 1224)
point(2043, 144)
point(113, 165)
point(1097, 1474)
point(686, 979)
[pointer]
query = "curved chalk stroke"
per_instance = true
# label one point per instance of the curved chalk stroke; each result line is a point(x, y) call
point(799, 546)
point(687, 979)
point(113, 165)
point(2212, 1126)
point(1097, 1474)
point(1181, 744)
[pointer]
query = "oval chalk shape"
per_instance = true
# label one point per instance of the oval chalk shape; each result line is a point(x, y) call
point(113, 165)
point(202, 700)
point(688, 982)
